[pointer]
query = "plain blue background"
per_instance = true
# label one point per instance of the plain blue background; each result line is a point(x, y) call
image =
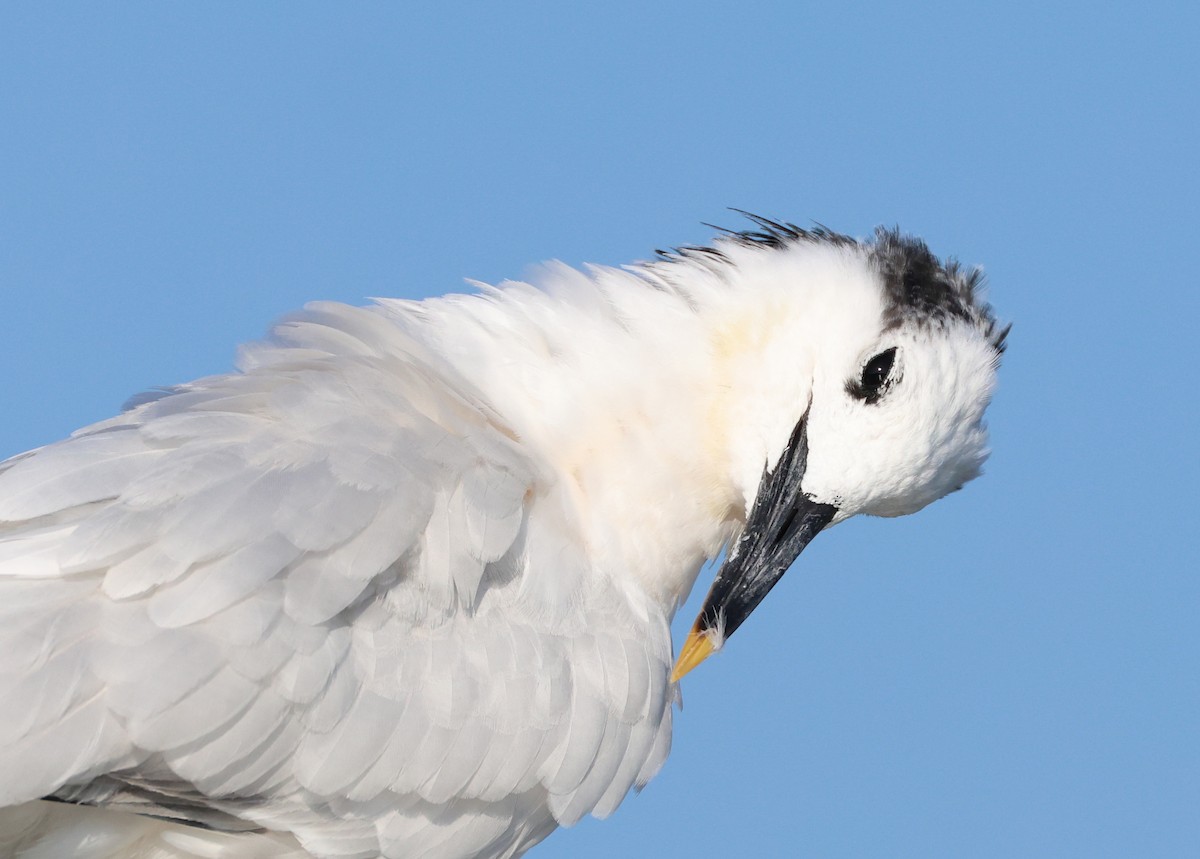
point(1012, 672)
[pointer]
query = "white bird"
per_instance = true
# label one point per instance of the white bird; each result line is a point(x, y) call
point(402, 585)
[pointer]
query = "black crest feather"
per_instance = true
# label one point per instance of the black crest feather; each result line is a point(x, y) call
point(918, 286)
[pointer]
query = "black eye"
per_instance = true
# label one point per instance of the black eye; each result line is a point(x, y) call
point(877, 370)
point(874, 377)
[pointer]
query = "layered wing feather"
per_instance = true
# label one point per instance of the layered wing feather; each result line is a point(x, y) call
point(332, 594)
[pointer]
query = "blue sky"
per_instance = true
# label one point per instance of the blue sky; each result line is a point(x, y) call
point(1012, 672)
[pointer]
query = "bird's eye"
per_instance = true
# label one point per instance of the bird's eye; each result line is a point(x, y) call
point(875, 377)
point(877, 370)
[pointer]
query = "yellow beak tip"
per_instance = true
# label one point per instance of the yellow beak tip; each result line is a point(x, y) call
point(696, 649)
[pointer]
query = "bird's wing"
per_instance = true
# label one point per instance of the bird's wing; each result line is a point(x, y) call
point(334, 581)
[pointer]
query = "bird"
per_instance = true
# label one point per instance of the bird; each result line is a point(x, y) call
point(402, 584)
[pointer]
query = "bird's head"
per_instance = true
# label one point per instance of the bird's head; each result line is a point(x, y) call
point(894, 361)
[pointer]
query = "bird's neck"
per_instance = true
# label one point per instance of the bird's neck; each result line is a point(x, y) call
point(639, 399)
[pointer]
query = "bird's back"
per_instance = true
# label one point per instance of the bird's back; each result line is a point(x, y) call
point(331, 595)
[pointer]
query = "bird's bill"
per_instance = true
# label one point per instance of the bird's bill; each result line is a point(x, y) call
point(781, 523)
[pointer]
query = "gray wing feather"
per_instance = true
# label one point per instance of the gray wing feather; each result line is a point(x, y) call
point(334, 583)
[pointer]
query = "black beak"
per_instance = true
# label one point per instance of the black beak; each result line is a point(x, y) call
point(781, 523)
